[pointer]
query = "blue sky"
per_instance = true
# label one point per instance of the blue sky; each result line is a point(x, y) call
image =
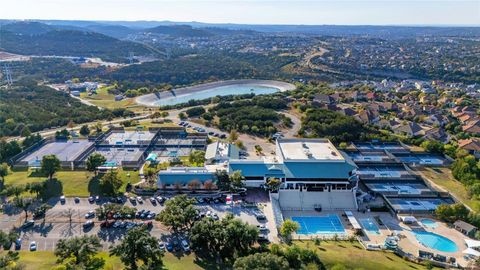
point(344, 12)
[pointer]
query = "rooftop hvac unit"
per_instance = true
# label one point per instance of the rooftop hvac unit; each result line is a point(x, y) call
point(304, 145)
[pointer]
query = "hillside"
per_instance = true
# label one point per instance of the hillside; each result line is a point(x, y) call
point(40, 107)
point(41, 39)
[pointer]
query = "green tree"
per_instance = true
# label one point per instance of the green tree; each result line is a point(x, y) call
point(139, 246)
point(24, 204)
point(197, 157)
point(179, 213)
point(274, 183)
point(288, 227)
point(237, 180)
point(84, 130)
point(226, 238)
point(79, 252)
point(9, 261)
point(94, 161)
point(261, 261)
point(110, 183)
point(3, 173)
point(233, 136)
point(50, 165)
point(36, 187)
point(6, 239)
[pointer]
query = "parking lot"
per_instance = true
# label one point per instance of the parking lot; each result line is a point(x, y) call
point(56, 225)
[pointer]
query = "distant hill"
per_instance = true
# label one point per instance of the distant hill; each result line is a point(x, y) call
point(116, 31)
point(179, 31)
point(40, 39)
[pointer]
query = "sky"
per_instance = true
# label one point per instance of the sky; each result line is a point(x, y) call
point(339, 12)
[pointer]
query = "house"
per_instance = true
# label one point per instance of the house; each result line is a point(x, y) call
point(411, 129)
point(437, 134)
point(368, 116)
point(323, 99)
point(387, 123)
point(465, 228)
point(471, 145)
point(437, 119)
point(347, 111)
point(472, 127)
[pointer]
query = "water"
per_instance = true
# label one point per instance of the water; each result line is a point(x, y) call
point(370, 226)
point(217, 91)
point(429, 223)
point(330, 224)
point(435, 241)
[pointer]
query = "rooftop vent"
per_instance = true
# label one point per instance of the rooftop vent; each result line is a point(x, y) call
point(304, 145)
point(334, 153)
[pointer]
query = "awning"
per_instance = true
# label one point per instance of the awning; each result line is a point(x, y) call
point(408, 219)
point(471, 251)
point(472, 243)
point(353, 220)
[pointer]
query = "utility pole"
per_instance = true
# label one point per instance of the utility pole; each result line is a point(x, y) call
point(8, 74)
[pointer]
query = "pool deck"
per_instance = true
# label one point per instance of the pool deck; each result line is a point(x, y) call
point(150, 99)
point(391, 226)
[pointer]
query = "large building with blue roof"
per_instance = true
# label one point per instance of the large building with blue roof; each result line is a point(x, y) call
point(314, 174)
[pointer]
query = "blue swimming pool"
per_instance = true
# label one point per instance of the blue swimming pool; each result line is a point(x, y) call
point(429, 223)
point(330, 224)
point(435, 241)
point(369, 226)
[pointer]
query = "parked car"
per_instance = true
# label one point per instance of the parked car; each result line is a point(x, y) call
point(262, 228)
point(161, 245)
point(139, 199)
point(160, 199)
point(18, 244)
point(91, 199)
point(28, 223)
point(77, 199)
point(262, 238)
point(132, 200)
point(90, 214)
point(169, 246)
point(62, 199)
point(185, 246)
point(88, 224)
point(33, 246)
point(153, 200)
point(260, 216)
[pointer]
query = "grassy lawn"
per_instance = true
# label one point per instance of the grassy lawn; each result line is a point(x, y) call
point(351, 255)
point(354, 256)
point(443, 177)
point(107, 100)
point(70, 183)
point(46, 260)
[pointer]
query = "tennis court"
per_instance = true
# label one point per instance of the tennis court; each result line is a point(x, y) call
point(129, 138)
point(330, 224)
point(383, 171)
point(418, 204)
point(422, 159)
point(63, 150)
point(117, 155)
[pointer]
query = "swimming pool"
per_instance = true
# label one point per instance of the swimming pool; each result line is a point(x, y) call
point(435, 241)
point(369, 225)
point(429, 223)
point(330, 224)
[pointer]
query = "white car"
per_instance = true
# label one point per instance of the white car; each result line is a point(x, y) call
point(33, 246)
point(90, 214)
point(185, 246)
point(139, 199)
